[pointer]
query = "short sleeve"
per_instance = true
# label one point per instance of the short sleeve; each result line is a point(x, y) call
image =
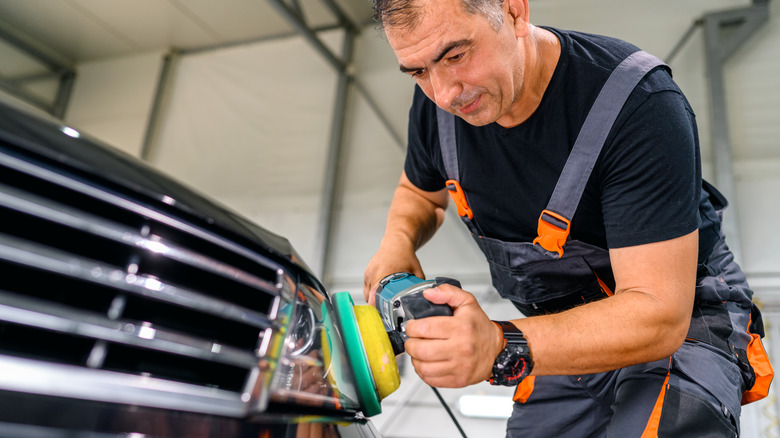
point(651, 179)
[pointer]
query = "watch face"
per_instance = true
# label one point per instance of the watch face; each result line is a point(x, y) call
point(512, 365)
point(515, 353)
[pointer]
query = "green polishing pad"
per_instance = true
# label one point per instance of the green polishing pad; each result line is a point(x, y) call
point(356, 353)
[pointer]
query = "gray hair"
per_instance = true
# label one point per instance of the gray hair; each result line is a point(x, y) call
point(405, 14)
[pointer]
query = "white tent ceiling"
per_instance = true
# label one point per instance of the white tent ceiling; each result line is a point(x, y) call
point(83, 30)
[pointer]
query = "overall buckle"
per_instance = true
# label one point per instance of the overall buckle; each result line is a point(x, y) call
point(459, 198)
point(553, 231)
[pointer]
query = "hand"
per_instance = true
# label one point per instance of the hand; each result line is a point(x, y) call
point(392, 257)
point(454, 351)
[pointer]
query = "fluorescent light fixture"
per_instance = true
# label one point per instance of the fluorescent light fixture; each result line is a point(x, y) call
point(485, 406)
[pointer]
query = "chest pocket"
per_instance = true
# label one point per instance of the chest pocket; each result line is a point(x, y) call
point(547, 285)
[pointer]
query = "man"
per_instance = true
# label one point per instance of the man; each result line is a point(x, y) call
point(638, 318)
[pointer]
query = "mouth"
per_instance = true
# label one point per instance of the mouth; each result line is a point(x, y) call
point(471, 107)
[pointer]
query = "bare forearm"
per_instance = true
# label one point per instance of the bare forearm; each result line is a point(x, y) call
point(647, 318)
point(412, 217)
point(619, 331)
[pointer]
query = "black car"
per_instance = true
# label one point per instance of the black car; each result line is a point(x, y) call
point(132, 306)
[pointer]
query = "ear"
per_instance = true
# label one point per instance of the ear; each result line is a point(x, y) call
point(518, 15)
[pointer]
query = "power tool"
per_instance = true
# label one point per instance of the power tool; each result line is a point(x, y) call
point(399, 298)
point(373, 336)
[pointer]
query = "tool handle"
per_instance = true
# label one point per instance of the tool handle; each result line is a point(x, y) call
point(447, 280)
point(417, 306)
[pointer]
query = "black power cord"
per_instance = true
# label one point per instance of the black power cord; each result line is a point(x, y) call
point(447, 408)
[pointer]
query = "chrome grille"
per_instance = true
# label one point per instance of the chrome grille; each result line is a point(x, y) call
point(107, 298)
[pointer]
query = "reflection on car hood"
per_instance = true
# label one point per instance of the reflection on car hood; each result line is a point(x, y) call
point(45, 139)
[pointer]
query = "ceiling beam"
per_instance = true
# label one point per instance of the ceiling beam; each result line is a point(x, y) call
point(336, 156)
point(335, 165)
point(62, 69)
point(724, 33)
point(297, 21)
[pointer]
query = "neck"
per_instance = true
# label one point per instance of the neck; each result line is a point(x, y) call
point(540, 53)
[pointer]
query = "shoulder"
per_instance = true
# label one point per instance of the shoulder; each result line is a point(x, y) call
point(592, 58)
point(592, 53)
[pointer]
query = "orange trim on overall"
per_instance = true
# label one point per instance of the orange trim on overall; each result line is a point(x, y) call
point(552, 237)
point(762, 368)
point(459, 198)
point(603, 285)
point(524, 389)
point(651, 430)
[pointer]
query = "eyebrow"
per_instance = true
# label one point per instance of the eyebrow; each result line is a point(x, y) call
point(442, 54)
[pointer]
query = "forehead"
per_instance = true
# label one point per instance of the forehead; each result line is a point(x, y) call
point(438, 23)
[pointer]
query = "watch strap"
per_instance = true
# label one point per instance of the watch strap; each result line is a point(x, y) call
point(512, 334)
point(514, 362)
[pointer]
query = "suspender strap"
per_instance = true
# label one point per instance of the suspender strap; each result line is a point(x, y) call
point(449, 153)
point(555, 221)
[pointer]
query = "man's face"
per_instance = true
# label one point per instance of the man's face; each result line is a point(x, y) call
point(460, 61)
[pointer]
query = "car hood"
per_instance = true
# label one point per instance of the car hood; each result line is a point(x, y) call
point(44, 139)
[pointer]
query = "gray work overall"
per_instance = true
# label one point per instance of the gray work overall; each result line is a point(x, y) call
point(695, 392)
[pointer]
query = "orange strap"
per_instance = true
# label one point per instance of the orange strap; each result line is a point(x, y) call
point(651, 430)
point(459, 198)
point(762, 368)
point(607, 291)
point(524, 389)
point(552, 237)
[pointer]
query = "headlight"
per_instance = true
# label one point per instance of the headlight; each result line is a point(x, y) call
point(312, 369)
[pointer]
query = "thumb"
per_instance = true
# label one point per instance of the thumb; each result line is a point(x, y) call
point(448, 294)
point(371, 298)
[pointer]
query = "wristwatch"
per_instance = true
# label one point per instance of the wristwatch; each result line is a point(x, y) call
point(514, 362)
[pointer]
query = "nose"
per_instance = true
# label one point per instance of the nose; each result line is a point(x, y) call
point(445, 88)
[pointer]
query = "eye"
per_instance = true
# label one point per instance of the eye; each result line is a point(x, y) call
point(417, 74)
point(456, 58)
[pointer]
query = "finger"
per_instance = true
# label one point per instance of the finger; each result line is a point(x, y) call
point(432, 369)
point(370, 285)
point(429, 350)
point(371, 300)
point(432, 327)
point(448, 294)
point(440, 374)
point(367, 288)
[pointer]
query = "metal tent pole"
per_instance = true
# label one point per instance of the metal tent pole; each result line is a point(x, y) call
point(719, 45)
point(335, 157)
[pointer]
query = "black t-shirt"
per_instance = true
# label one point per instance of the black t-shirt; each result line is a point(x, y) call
point(646, 184)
